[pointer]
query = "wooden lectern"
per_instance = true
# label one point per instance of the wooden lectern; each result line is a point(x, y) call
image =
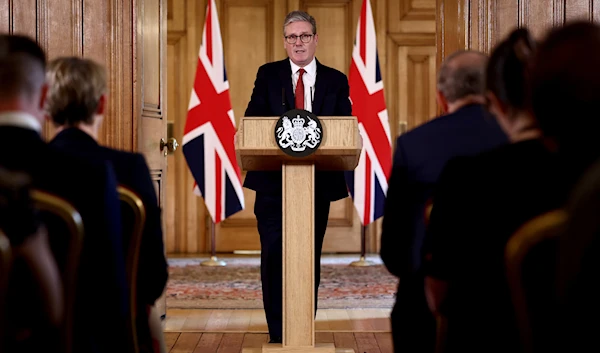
point(256, 149)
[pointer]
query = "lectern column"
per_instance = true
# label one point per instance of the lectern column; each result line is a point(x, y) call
point(298, 144)
point(298, 255)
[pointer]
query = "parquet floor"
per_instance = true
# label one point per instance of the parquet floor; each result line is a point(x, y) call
point(253, 320)
point(229, 331)
point(212, 342)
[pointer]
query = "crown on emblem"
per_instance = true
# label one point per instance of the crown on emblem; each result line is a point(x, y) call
point(298, 121)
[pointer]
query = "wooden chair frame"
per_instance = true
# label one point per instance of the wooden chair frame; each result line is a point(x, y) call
point(47, 202)
point(130, 198)
point(538, 229)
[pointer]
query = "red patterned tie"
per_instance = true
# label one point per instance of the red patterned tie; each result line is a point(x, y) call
point(300, 91)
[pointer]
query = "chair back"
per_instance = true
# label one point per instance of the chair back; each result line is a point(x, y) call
point(133, 219)
point(441, 322)
point(5, 264)
point(65, 234)
point(530, 260)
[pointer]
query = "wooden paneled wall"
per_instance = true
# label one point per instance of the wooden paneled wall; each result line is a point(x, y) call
point(252, 36)
point(128, 37)
point(480, 24)
point(100, 30)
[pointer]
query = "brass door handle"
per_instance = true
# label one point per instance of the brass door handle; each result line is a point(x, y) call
point(171, 145)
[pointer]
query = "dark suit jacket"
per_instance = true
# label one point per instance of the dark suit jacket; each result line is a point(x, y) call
point(273, 95)
point(91, 188)
point(131, 171)
point(418, 161)
point(479, 203)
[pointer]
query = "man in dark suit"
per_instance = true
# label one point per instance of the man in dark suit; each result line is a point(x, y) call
point(101, 290)
point(418, 161)
point(78, 118)
point(300, 82)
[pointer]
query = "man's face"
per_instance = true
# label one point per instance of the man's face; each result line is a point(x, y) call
point(301, 53)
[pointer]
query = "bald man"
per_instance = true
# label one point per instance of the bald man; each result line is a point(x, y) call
point(464, 129)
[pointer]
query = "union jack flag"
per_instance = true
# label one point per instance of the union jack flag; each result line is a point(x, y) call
point(208, 141)
point(368, 183)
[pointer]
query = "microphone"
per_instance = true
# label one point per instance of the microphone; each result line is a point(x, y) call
point(283, 97)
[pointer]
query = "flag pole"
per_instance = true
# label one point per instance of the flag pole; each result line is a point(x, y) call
point(214, 261)
point(363, 242)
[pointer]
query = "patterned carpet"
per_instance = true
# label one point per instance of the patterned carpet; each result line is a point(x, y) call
point(238, 286)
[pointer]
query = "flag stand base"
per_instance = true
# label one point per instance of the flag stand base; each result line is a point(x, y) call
point(213, 262)
point(362, 262)
point(363, 242)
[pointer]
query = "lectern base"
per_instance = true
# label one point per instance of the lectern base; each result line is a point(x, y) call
point(278, 348)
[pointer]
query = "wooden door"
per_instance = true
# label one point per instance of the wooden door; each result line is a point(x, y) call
point(150, 103)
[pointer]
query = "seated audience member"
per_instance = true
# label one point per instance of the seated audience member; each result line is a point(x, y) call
point(418, 160)
point(101, 295)
point(481, 201)
point(34, 303)
point(76, 102)
point(565, 100)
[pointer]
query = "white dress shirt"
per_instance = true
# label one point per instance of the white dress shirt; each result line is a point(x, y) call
point(20, 119)
point(308, 78)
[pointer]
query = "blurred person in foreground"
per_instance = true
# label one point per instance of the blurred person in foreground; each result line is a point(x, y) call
point(76, 103)
point(420, 156)
point(90, 187)
point(481, 201)
point(565, 97)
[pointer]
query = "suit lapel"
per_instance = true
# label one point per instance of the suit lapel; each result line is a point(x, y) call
point(285, 75)
point(320, 89)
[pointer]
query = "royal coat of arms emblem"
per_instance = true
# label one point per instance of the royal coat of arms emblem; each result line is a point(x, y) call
point(300, 135)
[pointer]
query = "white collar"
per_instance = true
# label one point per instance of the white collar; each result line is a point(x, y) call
point(310, 69)
point(20, 119)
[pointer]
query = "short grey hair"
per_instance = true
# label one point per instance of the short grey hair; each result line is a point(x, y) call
point(300, 16)
point(462, 74)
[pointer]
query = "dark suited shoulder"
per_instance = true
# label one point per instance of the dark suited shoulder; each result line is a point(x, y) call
point(421, 155)
point(334, 74)
point(260, 101)
point(468, 126)
point(273, 66)
point(132, 171)
point(396, 234)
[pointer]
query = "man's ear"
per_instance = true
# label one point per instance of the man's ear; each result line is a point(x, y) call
point(443, 103)
point(495, 104)
point(43, 96)
point(101, 105)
